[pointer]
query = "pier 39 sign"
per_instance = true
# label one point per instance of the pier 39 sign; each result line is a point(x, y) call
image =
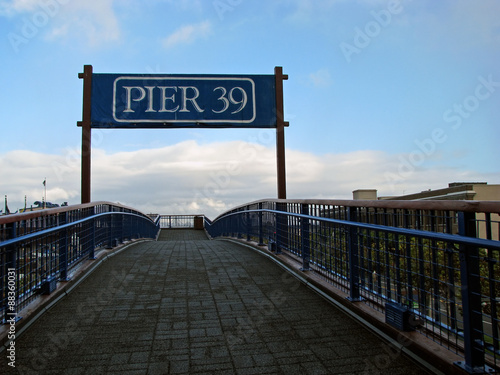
point(176, 101)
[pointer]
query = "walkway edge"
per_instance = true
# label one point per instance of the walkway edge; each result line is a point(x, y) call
point(41, 305)
point(423, 351)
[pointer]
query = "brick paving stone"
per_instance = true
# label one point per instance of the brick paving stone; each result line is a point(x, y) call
point(188, 305)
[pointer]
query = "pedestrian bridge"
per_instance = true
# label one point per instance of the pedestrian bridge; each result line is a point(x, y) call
point(275, 286)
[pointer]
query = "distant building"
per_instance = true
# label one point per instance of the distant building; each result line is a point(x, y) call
point(369, 194)
point(40, 206)
point(470, 191)
point(463, 191)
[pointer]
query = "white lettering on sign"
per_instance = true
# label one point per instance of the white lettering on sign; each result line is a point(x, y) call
point(243, 101)
point(207, 99)
point(185, 93)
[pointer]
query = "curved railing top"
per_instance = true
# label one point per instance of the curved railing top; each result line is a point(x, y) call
point(11, 218)
point(439, 205)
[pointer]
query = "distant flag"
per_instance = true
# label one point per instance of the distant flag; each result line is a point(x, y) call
point(45, 193)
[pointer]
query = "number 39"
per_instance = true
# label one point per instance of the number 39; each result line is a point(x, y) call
point(232, 100)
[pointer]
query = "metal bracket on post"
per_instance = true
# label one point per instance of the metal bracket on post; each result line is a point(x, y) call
point(354, 292)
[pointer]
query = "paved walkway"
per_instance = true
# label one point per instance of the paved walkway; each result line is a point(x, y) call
point(187, 305)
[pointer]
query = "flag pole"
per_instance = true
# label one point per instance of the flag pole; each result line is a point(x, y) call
point(45, 193)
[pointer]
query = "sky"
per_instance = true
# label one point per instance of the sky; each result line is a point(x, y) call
point(395, 95)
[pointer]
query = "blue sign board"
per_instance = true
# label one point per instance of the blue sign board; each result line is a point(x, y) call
point(177, 101)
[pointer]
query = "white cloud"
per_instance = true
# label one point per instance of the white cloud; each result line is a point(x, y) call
point(192, 178)
point(93, 21)
point(10, 8)
point(27, 170)
point(188, 34)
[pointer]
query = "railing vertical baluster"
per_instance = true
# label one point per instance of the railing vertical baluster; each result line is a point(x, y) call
point(331, 242)
point(471, 297)
point(281, 230)
point(491, 276)
point(120, 227)
point(435, 271)
point(110, 223)
point(353, 248)
point(92, 236)
point(261, 232)
point(422, 297)
point(388, 280)
point(397, 259)
point(378, 261)
point(63, 248)
point(451, 275)
point(249, 224)
point(239, 229)
point(409, 272)
point(305, 244)
point(362, 241)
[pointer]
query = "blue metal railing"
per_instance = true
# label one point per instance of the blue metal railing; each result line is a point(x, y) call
point(437, 260)
point(43, 246)
point(180, 221)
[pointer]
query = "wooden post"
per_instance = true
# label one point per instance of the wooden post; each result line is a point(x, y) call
point(86, 132)
point(281, 220)
point(280, 131)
